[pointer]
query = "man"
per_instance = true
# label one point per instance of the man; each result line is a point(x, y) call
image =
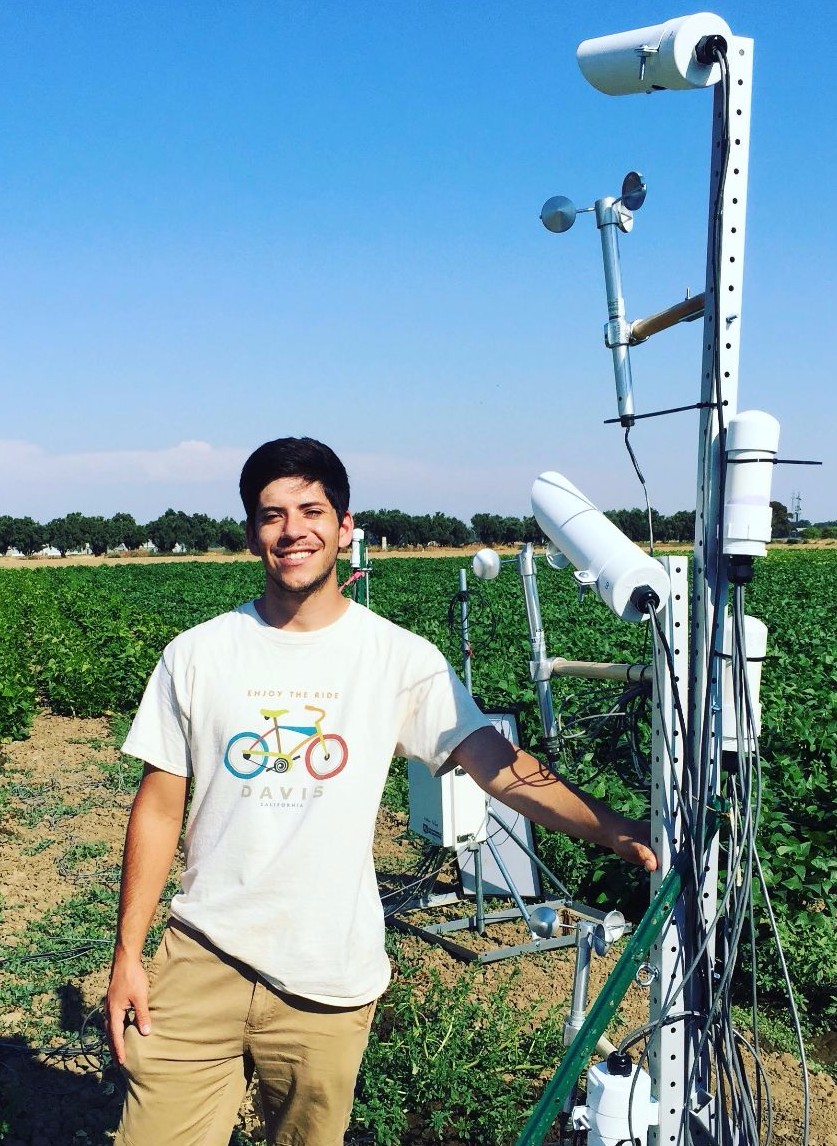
point(273, 956)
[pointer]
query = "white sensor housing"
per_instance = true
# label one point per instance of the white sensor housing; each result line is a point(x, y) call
point(619, 1108)
point(357, 538)
point(448, 810)
point(604, 558)
point(751, 445)
point(755, 641)
point(486, 564)
point(648, 59)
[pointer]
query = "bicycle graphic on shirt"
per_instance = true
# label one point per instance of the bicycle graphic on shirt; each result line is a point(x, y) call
point(248, 754)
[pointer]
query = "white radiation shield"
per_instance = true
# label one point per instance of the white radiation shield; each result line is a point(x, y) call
point(626, 579)
point(752, 443)
point(658, 57)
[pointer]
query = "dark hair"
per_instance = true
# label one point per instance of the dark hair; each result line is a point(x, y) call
point(304, 458)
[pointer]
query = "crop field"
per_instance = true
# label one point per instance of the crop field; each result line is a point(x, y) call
point(76, 647)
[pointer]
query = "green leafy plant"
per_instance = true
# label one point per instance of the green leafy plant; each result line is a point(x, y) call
point(440, 1060)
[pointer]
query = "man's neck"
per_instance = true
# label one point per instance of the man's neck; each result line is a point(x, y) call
point(300, 612)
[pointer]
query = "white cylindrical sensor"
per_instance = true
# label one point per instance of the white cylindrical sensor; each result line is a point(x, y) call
point(357, 539)
point(619, 1107)
point(657, 57)
point(755, 642)
point(751, 446)
point(486, 564)
point(606, 560)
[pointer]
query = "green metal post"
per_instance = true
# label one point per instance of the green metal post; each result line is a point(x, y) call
point(603, 1009)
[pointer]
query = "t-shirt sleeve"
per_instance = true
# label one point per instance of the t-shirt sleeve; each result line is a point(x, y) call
point(441, 713)
point(158, 733)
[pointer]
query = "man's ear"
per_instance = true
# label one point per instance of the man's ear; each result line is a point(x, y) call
point(251, 539)
point(344, 537)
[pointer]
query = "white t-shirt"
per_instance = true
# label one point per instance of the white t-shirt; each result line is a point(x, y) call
point(288, 737)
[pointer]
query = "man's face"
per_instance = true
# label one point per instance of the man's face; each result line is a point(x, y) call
point(297, 534)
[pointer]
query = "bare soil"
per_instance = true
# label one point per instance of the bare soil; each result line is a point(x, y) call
point(375, 554)
point(61, 1100)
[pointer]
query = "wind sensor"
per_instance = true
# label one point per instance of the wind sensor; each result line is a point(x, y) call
point(614, 215)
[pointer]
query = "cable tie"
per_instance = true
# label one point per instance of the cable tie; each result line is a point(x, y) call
point(661, 413)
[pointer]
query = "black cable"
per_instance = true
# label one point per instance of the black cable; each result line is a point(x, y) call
point(703, 778)
point(432, 861)
point(469, 607)
point(642, 482)
point(59, 956)
point(621, 719)
point(720, 1039)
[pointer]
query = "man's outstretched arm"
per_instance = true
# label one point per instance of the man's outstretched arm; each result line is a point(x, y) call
point(150, 843)
point(526, 785)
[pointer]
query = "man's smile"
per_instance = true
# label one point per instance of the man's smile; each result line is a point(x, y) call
point(295, 556)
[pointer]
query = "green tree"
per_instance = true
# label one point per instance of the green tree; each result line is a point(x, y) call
point(488, 528)
point(165, 530)
point(98, 534)
point(397, 527)
point(124, 530)
point(25, 535)
point(200, 532)
point(449, 530)
point(781, 524)
point(66, 533)
point(231, 535)
point(679, 526)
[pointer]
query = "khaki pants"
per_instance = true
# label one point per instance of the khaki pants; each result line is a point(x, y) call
point(212, 1021)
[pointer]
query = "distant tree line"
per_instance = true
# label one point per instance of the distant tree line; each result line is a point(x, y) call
point(77, 532)
point(197, 533)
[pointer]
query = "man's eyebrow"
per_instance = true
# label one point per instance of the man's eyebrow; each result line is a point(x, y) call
point(315, 503)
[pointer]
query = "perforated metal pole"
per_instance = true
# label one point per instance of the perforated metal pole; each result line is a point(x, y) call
point(719, 395)
point(668, 1062)
point(687, 767)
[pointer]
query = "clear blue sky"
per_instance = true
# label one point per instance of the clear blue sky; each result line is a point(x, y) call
point(224, 222)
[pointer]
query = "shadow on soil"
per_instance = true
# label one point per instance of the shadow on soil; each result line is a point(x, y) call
point(65, 1098)
point(55, 1102)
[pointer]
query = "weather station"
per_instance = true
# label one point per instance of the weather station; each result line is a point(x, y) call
point(696, 1077)
point(692, 1080)
point(690, 1076)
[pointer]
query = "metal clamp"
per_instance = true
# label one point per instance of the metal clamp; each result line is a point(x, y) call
point(646, 974)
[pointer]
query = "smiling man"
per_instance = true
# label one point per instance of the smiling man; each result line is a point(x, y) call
point(297, 533)
point(281, 718)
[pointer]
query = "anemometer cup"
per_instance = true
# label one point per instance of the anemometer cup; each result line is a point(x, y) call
point(543, 922)
point(555, 559)
point(485, 564)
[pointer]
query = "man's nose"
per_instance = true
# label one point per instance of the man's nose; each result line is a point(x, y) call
point(295, 526)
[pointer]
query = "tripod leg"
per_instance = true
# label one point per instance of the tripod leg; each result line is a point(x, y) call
point(515, 894)
point(479, 919)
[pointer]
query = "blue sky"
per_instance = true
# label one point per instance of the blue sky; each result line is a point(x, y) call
point(225, 222)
